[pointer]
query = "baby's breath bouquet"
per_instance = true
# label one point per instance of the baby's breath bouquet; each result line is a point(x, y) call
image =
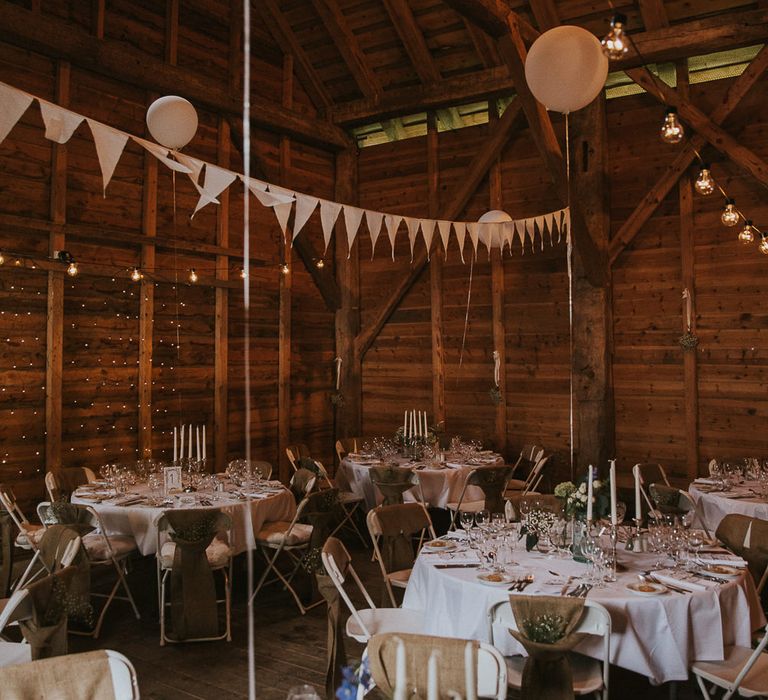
point(537, 525)
point(574, 498)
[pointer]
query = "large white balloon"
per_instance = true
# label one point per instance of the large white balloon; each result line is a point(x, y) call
point(494, 216)
point(172, 121)
point(566, 68)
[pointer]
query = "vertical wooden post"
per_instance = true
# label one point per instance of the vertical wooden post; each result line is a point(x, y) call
point(284, 334)
point(172, 31)
point(55, 307)
point(436, 275)
point(593, 405)
point(99, 12)
point(497, 297)
point(221, 341)
point(147, 304)
point(688, 280)
point(347, 263)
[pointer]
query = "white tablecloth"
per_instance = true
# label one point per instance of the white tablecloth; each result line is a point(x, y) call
point(439, 486)
point(657, 637)
point(713, 507)
point(139, 521)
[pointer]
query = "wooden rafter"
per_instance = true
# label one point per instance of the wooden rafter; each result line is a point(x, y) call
point(286, 39)
point(545, 13)
point(653, 13)
point(491, 16)
point(119, 61)
point(413, 40)
point(644, 210)
point(394, 129)
point(348, 46)
point(456, 202)
point(742, 156)
point(484, 45)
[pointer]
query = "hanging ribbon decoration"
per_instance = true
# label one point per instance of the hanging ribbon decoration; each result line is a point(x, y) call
point(496, 367)
point(569, 258)
point(338, 361)
point(688, 315)
point(466, 318)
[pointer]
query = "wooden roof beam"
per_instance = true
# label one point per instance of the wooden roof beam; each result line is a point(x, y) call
point(413, 40)
point(457, 201)
point(286, 39)
point(491, 16)
point(120, 61)
point(545, 13)
point(485, 47)
point(653, 13)
point(648, 205)
point(346, 42)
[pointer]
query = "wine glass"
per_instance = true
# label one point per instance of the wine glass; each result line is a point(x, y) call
point(302, 692)
point(467, 519)
point(695, 543)
point(482, 518)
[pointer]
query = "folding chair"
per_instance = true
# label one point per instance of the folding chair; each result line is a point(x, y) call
point(295, 453)
point(125, 684)
point(350, 503)
point(61, 482)
point(743, 671)
point(407, 519)
point(484, 478)
point(28, 537)
point(219, 556)
point(349, 444)
point(12, 610)
point(530, 454)
point(589, 675)
point(363, 624)
point(672, 501)
point(650, 473)
point(534, 477)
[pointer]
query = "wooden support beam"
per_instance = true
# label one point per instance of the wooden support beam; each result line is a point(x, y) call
point(99, 13)
point(484, 45)
point(346, 42)
point(283, 34)
point(235, 61)
point(172, 31)
point(119, 61)
point(455, 204)
point(450, 118)
point(545, 13)
point(54, 331)
point(413, 40)
point(436, 276)
point(742, 156)
point(644, 210)
point(394, 129)
point(653, 13)
point(491, 16)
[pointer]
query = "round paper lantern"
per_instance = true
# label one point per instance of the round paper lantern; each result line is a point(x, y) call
point(172, 121)
point(566, 68)
point(495, 216)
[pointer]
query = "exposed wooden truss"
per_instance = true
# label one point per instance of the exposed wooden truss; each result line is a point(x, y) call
point(653, 13)
point(413, 40)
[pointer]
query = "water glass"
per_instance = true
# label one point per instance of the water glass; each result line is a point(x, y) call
point(302, 692)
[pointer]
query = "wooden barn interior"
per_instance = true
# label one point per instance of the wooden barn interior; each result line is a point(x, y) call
point(417, 108)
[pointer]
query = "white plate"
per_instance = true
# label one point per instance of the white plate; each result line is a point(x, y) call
point(440, 546)
point(721, 571)
point(647, 588)
point(492, 579)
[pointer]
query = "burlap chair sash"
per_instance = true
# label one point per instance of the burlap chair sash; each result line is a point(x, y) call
point(492, 481)
point(336, 655)
point(398, 524)
point(668, 500)
point(301, 480)
point(392, 483)
point(194, 614)
point(747, 537)
point(382, 651)
point(74, 515)
point(547, 671)
point(6, 553)
point(68, 479)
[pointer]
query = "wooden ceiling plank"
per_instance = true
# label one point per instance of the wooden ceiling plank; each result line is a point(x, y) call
point(119, 61)
point(284, 35)
point(413, 40)
point(348, 46)
point(491, 17)
point(653, 13)
point(648, 205)
point(545, 13)
point(456, 202)
point(742, 156)
point(484, 45)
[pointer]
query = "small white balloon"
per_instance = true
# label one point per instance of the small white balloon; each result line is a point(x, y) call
point(172, 121)
point(566, 68)
point(494, 216)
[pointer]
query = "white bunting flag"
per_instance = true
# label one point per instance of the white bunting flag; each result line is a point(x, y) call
point(60, 123)
point(373, 219)
point(413, 231)
point(216, 181)
point(282, 209)
point(445, 232)
point(267, 199)
point(110, 144)
point(352, 218)
point(474, 234)
point(539, 221)
point(195, 165)
point(392, 222)
point(427, 231)
point(161, 153)
point(305, 205)
point(329, 212)
point(461, 230)
point(13, 104)
point(508, 233)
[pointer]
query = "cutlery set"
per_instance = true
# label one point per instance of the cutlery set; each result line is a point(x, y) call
point(522, 584)
point(580, 591)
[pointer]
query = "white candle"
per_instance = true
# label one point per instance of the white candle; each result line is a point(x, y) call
point(614, 520)
point(589, 494)
point(204, 455)
point(400, 680)
point(197, 440)
point(413, 423)
point(426, 425)
point(470, 682)
point(418, 424)
point(405, 424)
point(181, 450)
point(189, 449)
point(175, 437)
point(638, 503)
point(433, 691)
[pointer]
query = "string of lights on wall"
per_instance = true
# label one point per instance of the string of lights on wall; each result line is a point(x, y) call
point(615, 46)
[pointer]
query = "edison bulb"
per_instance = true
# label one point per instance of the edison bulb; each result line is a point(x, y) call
point(730, 217)
point(615, 42)
point(136, 274)
point(747, 235)
point(193, 276)
point(2, 259)
point(672, 130)
point(704, 183)
point(320, 264)
point(763, 245)
point(285, 269)
point(72, 269)
point(243, 273)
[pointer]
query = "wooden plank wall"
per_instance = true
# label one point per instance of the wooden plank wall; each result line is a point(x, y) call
point(106, 372)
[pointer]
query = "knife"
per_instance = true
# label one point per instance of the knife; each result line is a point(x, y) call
point(456, 566)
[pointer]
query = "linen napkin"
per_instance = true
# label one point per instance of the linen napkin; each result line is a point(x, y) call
point(724, 558)
point(682, 579)
point(462, 557)
point(128, 500)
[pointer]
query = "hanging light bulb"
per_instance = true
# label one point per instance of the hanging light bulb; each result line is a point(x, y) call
point(704, 183)
point(763, 244)
point(136, 274)
point(672, 130)
point(72, 269)
point(730, 217)
point(320, 264)
point(284, 268)
point(243, 273)
point(193, 276)
point(2, 259)
point(614, 43)
point(747, 235)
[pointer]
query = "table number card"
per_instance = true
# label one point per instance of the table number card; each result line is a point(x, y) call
point(171, 479)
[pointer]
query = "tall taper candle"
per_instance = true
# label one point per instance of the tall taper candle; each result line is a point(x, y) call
point(614, 520)
point(197, 438)
point(470, 682)
point(175, 437)
point(204, 455)
point(405, 424)
point(433, 691)
point(189, 449)
point(181, 449)
point(590, 478)
point(400, 679)
point(426, 425)
point(638, 501)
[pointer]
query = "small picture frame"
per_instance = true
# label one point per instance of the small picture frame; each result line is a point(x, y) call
point(171, 480)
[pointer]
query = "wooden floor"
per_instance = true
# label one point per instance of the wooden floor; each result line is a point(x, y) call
point(290, 648)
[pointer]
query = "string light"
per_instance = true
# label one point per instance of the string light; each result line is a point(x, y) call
point(614, 43)
point(704, 184)
point(763, 247)
point(730, 217)
point(243, 273)
point(747, 235)
point(284, 268)
point(72, 269)
point(2, 259)
point(672, 130)
point(136, 275)
point(320, 264)
point(193, 276)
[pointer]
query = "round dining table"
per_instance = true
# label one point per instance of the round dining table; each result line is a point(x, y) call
point(441, 482)
point(135, 513)
point(713, 505)
point(656, 636)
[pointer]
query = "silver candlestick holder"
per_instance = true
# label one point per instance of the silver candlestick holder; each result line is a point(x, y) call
point(637, 542)
point(610, 575)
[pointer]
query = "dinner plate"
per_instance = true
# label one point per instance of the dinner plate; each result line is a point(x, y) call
point(721, 571)
point(440, 546)
point(647, 588)
point(494, 579)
